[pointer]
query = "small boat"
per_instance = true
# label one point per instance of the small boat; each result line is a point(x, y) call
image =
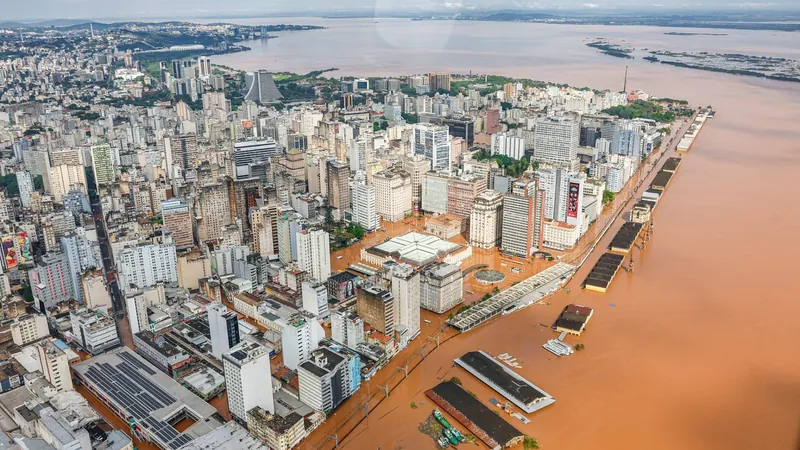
point(450, 436)
point(457, 434)
point(442, 441)
point(438, 415)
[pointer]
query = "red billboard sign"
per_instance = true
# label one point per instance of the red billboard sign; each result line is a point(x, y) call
point(573, 200)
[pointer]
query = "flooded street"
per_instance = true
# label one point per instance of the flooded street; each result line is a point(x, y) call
point(698, 350)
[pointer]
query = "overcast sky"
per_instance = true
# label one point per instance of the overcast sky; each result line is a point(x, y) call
point(132, 9)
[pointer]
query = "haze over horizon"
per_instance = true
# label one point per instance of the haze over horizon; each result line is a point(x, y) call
point(149, 9)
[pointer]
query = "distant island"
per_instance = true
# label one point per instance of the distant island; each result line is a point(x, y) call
point(607, 48)
point(675, 33)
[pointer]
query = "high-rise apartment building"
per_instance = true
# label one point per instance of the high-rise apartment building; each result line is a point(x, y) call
point(82, 255)
point(54, 365)
point(204, 67)
point(439, 81)
point(182, 151)
point(486, 220)
point(300, 337)
point(64, 178)
point(178, 220)
point(248, 379)
point(145, 265)
point(29, 328)
point(393, 194)
point(556, 182)
point(627, 143)
point(511, 146)
point(364, 205)
point(224, 328)
point(51, 281)
point(493, 120)
point(406, 293)
point(326, 379)
point(377, 307)
point(555, 141)
point(416, 166)
point(347, 328)
point(523, 214)
point(314, 253)
point(213, 212)
point(247, 154)
point(338, 189)
point(433, 142)
point(25, 184)
point(451, 195)
point(441, 287)
point(103, 165)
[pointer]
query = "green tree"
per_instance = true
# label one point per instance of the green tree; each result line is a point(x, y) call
point(608, 197)
point(9, 183)
point(356, 230)
point(530, 443)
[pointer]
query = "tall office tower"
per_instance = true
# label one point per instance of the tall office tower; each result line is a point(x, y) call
point(145, 265)
point(364, 208)
point(433, 142)
point(178, 220)
point(214, 211)
point(416, 166)
point(261, 87)
point(54, 365)
point(347, 328)
point(463, 127)
point(64, 178)
point(177, 69)
point(25, 183)
point(315, 298)
point(393, 194)
point(51, 281)
point(360, 153)
point(66, 157)
point(627, 142)
point(82, 255)
point(224, 328)
point(493, 120)
point(204, 67)
point(294, 163)
point(522, 219)
point(377, 307)
point(441, 287)
point(103, 165)
point(264, 223)
point(486, 220)
point(555, 141)
point(300, 337)
point(182, 151)
point(326, 380)
point(247, 379)
point(439, 81)
point(338, 181)
point(513, 147)
point(555, 182)
point(314, 253)
point(248, 153)
point(451, 195)
point(406, 293)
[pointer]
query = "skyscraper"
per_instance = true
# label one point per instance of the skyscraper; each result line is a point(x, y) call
point(555, 141)
point(214, 211)
point(433, 142)
point(377, 307)
point(261, 87)
point(364, 207)
point(103, 165)
point(25, 183)
point(182, 151)
point(441, 287)
point(492, 120)
point(338, 175)
point(177, 69)
point(406, 293)
point(178, 220)
point(204, 67)
point(439, 81)
point(315, 298)
point(224, 328)
point(326, 379)
point(145, 265)
point(347, 328)
point(51, 281)
point(247, 379)
point(393, 194)
point(314, 253)
point(522, 219)
point(486, 220)
point(416, 166)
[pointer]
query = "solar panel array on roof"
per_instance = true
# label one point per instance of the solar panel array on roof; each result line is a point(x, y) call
point(138, 397)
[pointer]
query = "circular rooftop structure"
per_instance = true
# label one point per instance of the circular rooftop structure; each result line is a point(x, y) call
point(489, 276)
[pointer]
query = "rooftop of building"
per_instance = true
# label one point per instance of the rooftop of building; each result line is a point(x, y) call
point(245, 352)
point(415, 248)
point(275, 422)
point(440, 270)
point(160, 344)
point(322, 361)
point(150, 397)
point(230, 436)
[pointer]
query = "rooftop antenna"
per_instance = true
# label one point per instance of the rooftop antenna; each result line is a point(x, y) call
point(625, 84)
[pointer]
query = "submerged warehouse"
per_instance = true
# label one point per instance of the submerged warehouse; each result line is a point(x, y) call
point(603, 272)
